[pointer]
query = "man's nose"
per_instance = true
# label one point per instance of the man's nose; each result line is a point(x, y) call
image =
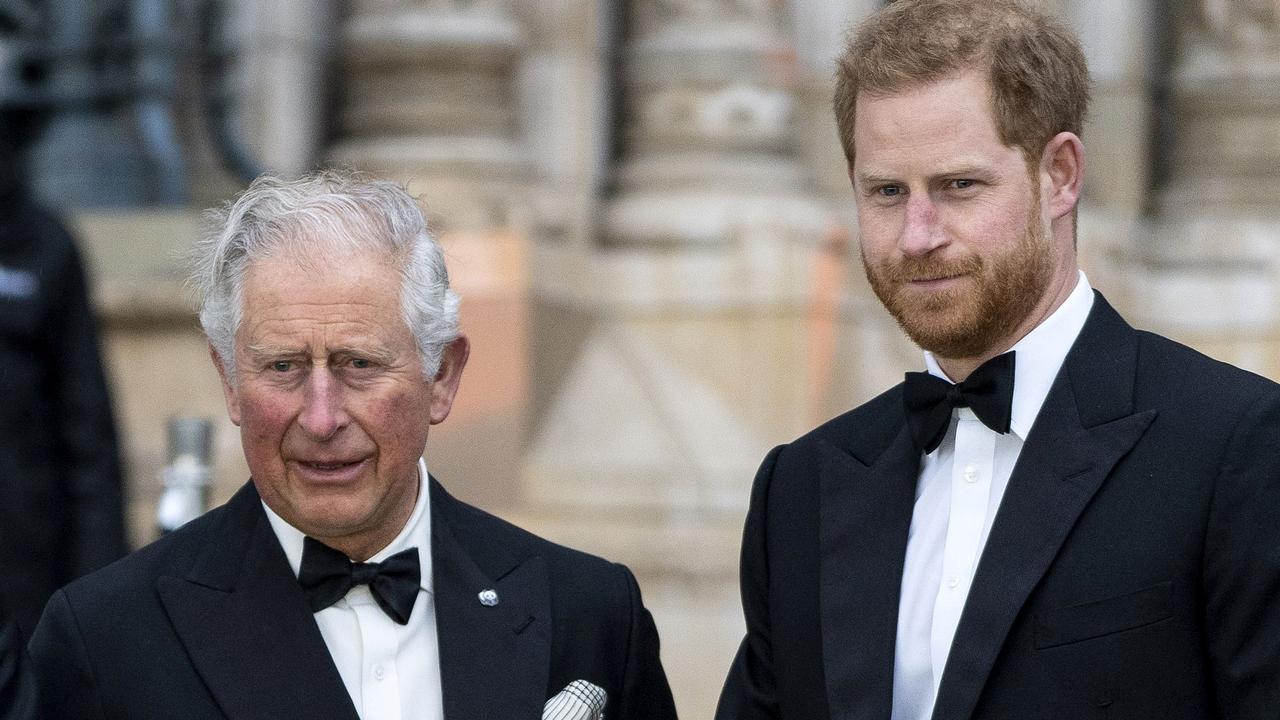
point(921, 230)
point(323, 413)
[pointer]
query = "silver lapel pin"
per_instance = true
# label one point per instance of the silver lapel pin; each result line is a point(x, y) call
point(488, 598)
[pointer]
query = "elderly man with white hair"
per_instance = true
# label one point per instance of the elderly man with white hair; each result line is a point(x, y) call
point(342, 581)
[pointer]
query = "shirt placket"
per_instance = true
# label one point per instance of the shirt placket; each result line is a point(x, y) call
point(970, 494)
point(379, 680)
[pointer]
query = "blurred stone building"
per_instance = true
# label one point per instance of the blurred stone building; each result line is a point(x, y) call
point(645, 209)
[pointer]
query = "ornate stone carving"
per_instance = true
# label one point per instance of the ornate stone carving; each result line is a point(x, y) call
point(708, 137)
point(1242, 22)
point(1226, 95)
point(429, 96)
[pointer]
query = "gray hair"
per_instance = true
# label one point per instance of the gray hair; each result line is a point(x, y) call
point(328, 210)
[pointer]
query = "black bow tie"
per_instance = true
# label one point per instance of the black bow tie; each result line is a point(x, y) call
point(988, 391)
point(326, 576)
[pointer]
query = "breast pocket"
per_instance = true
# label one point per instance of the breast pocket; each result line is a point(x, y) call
point(1061, 626)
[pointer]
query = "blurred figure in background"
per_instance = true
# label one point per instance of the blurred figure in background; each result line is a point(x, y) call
point(61, 507)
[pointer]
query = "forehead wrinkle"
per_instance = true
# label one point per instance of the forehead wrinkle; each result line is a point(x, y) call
point(309, 305)
point(262, 351)
point(277, 332)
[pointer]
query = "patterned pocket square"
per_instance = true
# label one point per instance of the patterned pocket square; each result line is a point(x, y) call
point(580, 700)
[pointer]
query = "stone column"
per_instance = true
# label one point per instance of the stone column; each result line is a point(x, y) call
point(283, 70)
point(819, 31)
point(564, 83)
point(704, 242)
point(1211, 264)
point(670, 350)
point(428, 97)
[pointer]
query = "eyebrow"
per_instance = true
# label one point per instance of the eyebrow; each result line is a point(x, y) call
point(958, 170)
point(263, 352)
point(866, 179)
point(379, 354)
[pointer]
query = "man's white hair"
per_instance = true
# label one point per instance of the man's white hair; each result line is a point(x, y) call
point(315, 216)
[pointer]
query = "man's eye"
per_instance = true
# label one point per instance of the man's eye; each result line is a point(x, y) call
point(962, 184)
point(282, 366)
point(360, 363)
point(890, 191)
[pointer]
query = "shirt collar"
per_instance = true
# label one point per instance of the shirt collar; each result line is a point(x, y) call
point(1041, 353)
point(415, 533)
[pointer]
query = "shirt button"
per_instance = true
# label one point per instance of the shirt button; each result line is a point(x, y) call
point(379, 672)
point(970, 474)
point(953, 582)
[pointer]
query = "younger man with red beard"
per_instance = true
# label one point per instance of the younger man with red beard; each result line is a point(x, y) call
point(1063, 517)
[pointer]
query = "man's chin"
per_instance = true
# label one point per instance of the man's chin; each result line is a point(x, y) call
point(326, 523)
point(946, 335)
point(323, 512)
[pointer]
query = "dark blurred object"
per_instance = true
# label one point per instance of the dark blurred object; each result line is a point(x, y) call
point(100, 85)
point(101, 76)
point(188, 476)
point(17, 688)
point(61, 506)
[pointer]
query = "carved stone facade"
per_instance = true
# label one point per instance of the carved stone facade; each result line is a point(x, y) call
point(1207, 266)
point(645, 208)
point(429, 97)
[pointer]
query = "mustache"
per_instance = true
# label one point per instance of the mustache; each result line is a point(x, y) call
point(917, 269)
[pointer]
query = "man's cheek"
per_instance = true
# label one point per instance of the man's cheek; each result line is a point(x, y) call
point(262, 421)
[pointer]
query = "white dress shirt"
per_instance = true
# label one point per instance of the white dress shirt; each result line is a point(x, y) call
point(391, 671)
point(959, 490)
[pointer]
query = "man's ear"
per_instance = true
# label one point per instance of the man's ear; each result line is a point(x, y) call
point(1061, 174)
point(444, 386)
point(228, 389)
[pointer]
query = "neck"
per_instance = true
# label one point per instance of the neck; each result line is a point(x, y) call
point(364, 545)
point(958, 369)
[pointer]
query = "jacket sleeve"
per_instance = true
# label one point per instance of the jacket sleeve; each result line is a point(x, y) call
point(1242, 567)
point(645, 692)
point(65, 683)
point(86, 443)
point(749, 690)
point(17, 687)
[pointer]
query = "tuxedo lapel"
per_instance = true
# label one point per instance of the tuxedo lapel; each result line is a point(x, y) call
point(494, 658)
point(866, 507)
point(247, 627)
point(1085, 427)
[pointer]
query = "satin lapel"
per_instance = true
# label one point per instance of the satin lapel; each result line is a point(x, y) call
point(865, 518)
point(246, 625)
point(494, 659)
point(1085, 427)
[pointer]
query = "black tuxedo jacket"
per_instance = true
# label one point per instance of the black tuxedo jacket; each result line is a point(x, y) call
point(17, 690)
point(1132, 570)
point(209, 622)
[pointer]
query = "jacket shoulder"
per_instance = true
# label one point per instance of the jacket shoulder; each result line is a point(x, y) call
point(1173, 361)
point(134, 575)
point(864, 431)
point(494, 541)
point(1171, 372)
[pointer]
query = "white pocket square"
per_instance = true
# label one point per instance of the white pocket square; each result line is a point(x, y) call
point(580, 700)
